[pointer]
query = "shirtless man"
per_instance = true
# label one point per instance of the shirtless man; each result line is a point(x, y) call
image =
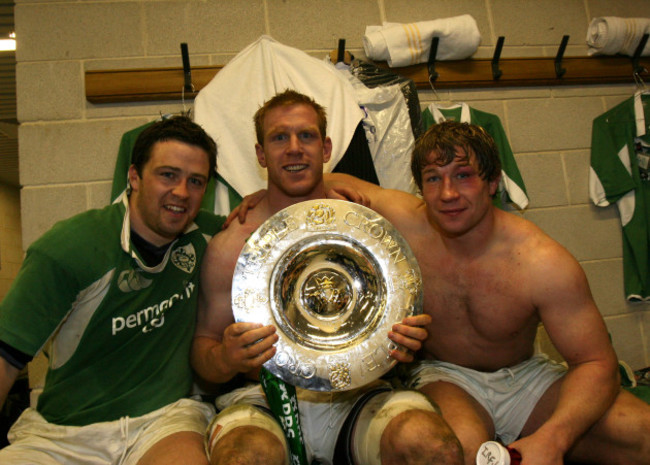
point(490, 277)
point(292, 146)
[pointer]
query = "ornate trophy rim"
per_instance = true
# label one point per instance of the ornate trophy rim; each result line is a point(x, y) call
point(333, 277)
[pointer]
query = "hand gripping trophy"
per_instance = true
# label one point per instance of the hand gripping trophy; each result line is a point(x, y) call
point(333, 277)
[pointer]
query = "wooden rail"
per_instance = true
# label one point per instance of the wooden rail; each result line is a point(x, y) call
point(138, 85)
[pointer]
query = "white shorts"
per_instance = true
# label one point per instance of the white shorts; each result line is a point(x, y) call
point(508, 395)
point(322, 414)
point(124, 441)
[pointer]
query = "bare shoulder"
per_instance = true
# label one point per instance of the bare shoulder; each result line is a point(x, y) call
point(534, 245)
point(559, 291)
point(214, 313)
point(547, 265)
point(224, 248)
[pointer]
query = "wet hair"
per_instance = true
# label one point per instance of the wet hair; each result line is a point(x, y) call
point(287, 98)
point(441, 140)
point(178, 128)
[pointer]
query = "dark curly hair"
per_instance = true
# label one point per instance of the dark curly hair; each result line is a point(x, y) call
point(444, 138)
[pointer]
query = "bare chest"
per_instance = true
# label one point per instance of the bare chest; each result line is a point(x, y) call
point(485, 299)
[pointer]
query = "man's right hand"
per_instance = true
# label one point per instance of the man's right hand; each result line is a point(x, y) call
point(247, 346)
point(241, 210)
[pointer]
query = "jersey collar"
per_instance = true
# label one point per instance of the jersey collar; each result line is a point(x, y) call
point(125, 238)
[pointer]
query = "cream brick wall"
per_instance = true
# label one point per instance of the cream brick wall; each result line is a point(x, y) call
point(68, 146)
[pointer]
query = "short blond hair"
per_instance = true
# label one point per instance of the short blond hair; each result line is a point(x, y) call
point(287, 98)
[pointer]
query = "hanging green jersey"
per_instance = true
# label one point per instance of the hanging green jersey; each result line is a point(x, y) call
point(620, 155)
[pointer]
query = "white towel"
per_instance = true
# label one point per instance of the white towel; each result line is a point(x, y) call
point(409, 44)
point(610, 35)
point(226, 105)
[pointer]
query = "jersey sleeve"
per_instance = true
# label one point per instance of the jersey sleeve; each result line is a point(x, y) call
point(511, 180)
point(610, 176)
point(209, 223)
point(39, 299)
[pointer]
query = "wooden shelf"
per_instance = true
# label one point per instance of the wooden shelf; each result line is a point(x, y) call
point(139, 85)
point(142, 85)
point(526, 72)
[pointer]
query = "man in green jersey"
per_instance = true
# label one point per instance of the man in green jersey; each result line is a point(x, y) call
point(110, 297)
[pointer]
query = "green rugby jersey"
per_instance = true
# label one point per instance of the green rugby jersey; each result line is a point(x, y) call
point(116, 332)
point(620, 173)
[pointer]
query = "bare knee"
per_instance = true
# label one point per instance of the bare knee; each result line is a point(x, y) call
point(634, 435)
point(248, 445)
point(467, 418)
point(621, 436)
point(181, 447)
point(471, 438)
point(418, 436)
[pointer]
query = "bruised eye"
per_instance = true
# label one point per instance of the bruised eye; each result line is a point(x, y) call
point(465, 174)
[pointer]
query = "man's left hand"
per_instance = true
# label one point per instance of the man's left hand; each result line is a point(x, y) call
point(345, 192)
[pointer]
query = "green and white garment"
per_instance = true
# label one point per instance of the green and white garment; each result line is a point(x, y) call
point(512, 186)
point(117, 333)
point(620, 158)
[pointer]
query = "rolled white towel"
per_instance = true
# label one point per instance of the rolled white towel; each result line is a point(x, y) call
point(409, 44)
point(610, 35)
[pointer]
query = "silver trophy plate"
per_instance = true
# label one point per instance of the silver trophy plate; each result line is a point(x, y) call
point(332, 277)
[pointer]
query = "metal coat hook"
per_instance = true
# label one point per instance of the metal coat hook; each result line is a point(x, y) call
point(640, 83)
point(431, 63)
point(187, 71)
point(339, 55)
point(636, 68)
point(496, 72)
point(559, 71)
point(341, 51)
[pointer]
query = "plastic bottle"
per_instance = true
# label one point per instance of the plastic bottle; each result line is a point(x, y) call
point(493, 453)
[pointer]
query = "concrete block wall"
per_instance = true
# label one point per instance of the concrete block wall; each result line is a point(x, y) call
point(68, 145)
point(11, 251)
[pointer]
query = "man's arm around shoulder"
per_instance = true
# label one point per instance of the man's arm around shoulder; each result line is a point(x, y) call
point(397, 206)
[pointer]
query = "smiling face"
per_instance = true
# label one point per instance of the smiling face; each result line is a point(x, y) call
point(457, 197)
point(294, 152)
point(168, 195)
